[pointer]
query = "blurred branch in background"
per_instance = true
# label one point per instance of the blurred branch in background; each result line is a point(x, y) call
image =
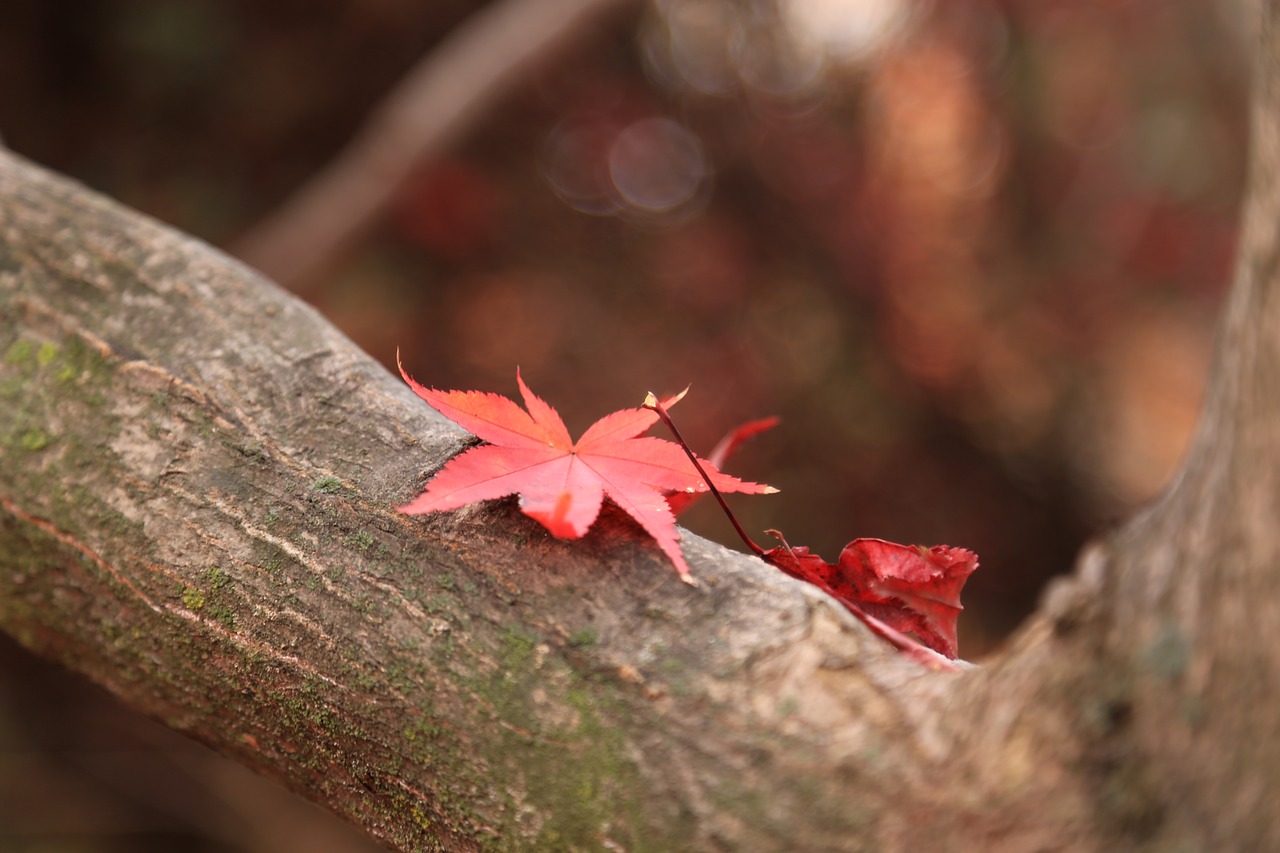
point(435, 102)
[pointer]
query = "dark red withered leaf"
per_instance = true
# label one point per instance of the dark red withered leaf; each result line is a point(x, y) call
point(909, 588)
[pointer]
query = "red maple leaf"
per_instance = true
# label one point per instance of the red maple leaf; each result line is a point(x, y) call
point(562, 483)
point(905, 588)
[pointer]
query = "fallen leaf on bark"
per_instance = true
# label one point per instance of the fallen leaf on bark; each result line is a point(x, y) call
point(562, 483)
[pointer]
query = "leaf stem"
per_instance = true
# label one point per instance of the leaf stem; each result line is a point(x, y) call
point(651, 403)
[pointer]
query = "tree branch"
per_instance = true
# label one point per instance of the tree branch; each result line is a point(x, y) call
point(197, 487)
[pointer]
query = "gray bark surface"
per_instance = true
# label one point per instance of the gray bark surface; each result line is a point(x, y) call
point(197, 483)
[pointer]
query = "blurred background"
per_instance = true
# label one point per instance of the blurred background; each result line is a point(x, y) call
point(969, 251)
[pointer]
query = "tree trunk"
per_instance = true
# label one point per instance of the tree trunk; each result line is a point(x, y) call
point(197, 482)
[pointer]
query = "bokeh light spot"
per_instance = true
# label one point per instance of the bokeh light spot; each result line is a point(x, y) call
point(575, 165)
point(845, 30)
point(657, 165)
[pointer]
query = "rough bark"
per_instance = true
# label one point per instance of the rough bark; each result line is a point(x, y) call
point(196, 483)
